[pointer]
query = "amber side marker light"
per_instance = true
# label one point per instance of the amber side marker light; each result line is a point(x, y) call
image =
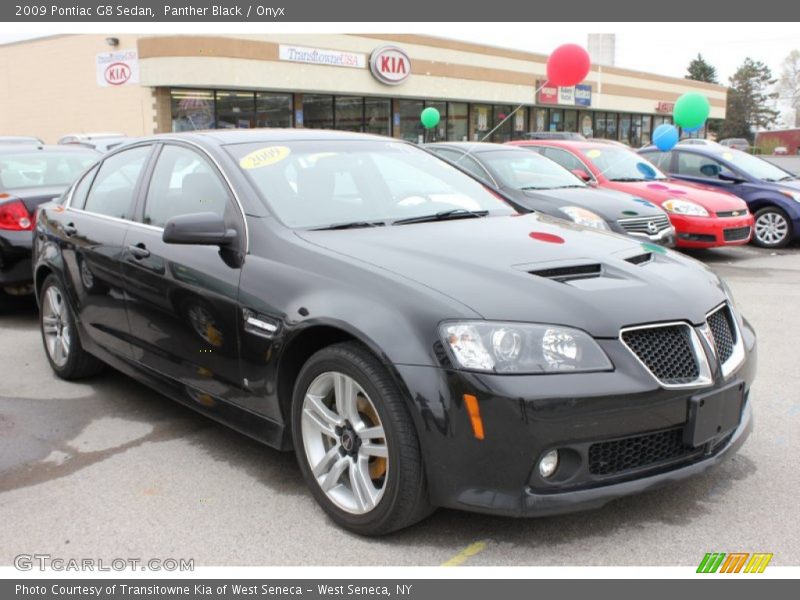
point(474, 415)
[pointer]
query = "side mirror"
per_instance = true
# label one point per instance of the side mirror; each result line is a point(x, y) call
point(711, 170)
point(726, 175)
point(581, 174)
point(202, 229)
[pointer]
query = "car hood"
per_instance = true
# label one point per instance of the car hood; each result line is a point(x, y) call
point(708, 197)
point(487, 264)
point(609, 204)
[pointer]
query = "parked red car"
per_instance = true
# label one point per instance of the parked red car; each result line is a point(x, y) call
point(703, 217)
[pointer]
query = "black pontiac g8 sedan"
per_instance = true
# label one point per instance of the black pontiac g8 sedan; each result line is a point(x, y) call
point(414, 338)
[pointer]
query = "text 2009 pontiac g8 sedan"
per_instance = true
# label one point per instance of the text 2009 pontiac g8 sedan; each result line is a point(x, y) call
point(417, 341)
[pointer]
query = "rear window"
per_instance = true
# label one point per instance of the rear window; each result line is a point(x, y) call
point(42, 169)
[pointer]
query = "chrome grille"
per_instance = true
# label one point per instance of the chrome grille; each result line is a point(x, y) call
point(642, 225)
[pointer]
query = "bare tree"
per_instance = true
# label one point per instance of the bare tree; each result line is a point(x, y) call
point(789, 83)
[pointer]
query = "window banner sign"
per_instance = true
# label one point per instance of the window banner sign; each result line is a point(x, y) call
point(114, 69)
point(566, 96)
point(547, 94)
point(583, 94)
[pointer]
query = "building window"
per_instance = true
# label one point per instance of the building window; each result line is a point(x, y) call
point(410, 125)
point(457, 121)
point(540, 119)
point(349, 113)
point(481, 121)
point(585, 127)
point(646, 129)
point(519, 124)
point(556, 120)
point(235, 110)
point(378, 116)
point(611, 126)
point(438, 133)
point(624, 128)
point(192, 109)
point(273, 109)
point(317, 111)
point(571, 120)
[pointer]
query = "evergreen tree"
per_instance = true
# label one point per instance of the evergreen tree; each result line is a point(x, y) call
point(750, 101)
point(700, 70)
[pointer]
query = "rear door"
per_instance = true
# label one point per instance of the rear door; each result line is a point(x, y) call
point(93, 228)
point(182, 300)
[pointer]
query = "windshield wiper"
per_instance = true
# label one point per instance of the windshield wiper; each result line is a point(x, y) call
point(350, 225)
point(629, 179)
point(444, 215)
point(788, 178)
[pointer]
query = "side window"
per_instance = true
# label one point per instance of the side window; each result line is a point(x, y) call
point(471, 165)
point(565, 159)
point(663, 160)
point(82, 189)
point(115, 183)
point(696, 165)
point(183, 183)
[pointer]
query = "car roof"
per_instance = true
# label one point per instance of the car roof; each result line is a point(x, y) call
point(474, 147)
point(53, 148)
point(567, 144)
point(223, 137)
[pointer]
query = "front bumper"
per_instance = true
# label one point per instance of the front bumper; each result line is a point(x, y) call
point(525, 416)
point(711, 232)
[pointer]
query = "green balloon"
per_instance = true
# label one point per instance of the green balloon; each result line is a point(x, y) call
point(691, 110)
point(430, 117)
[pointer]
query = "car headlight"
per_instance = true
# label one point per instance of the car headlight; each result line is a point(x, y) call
point(584, 217)
point(793, 195)
point(684, 207)
point(497, 347)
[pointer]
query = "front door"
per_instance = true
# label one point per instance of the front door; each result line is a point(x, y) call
point(182, 301)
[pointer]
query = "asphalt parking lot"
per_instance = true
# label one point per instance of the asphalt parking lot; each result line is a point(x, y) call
point(108, 468)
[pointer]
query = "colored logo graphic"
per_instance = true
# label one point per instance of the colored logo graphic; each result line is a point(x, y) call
point(735, 562)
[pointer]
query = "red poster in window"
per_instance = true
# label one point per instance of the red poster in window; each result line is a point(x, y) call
point(548, 94)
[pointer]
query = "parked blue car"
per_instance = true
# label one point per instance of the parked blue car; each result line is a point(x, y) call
point(772, 194)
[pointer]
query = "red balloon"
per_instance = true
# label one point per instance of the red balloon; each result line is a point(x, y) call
point(568, 65)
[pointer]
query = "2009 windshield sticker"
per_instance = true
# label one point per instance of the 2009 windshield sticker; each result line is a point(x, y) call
point(264, 157)
point(594, 153)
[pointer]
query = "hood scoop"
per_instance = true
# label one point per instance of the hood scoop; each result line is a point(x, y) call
point(640, 259)
point(570, 273)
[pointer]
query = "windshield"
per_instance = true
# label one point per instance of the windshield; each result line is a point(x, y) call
point(754, 166)
point(40, 169)
point(313, 184)
point(528, 171)
point(620, 164)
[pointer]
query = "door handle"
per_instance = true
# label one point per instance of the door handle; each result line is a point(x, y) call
point(139, 251)
point(70, 229)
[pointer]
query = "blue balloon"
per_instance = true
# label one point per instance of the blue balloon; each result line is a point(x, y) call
point(665, 137)
point(646, 170)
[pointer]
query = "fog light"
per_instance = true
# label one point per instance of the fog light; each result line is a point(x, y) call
point(548, 464)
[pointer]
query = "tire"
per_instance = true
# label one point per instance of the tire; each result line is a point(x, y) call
point(67, 358)
point(772, 229)
point(396, 488)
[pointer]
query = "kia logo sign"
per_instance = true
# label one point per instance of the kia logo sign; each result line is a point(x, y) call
point(390, 65)
point(117, 73)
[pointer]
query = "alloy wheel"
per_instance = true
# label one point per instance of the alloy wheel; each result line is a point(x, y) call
point(55, 326)
point(771, 228)
point(344, 442)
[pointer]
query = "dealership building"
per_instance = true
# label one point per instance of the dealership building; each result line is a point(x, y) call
point(143, 84)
